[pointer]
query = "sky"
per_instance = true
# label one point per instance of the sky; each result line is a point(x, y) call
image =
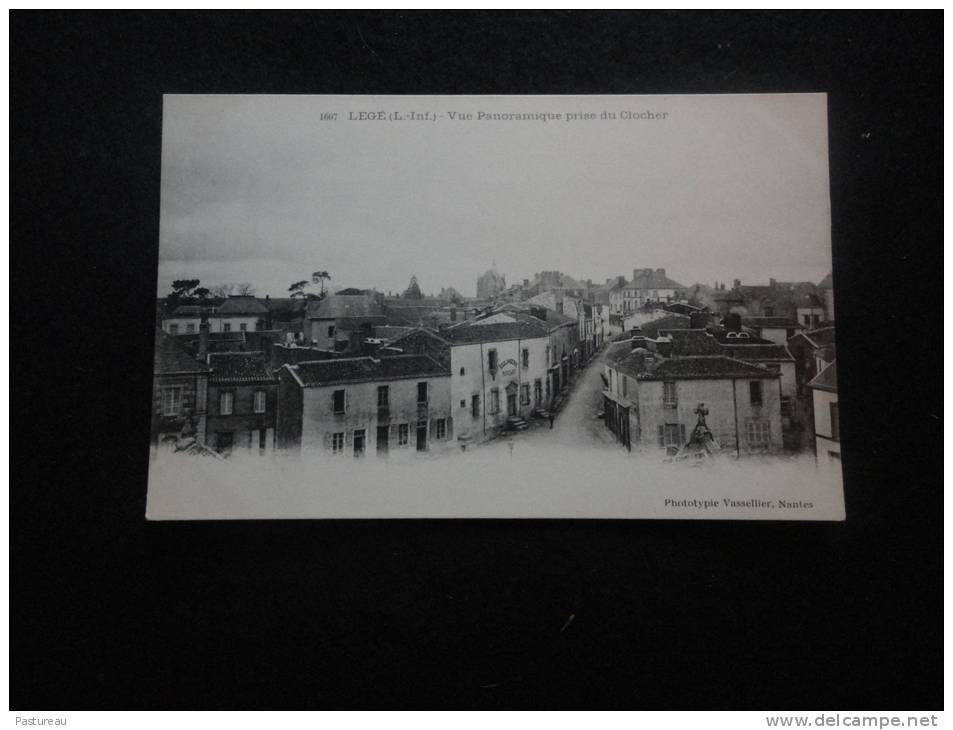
point(266, 189)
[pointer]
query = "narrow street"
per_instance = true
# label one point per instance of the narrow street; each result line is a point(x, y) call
point(576, 423)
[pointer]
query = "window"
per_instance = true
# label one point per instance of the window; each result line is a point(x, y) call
point(338, 401)
point(756, 391)
point(259, 401)
point(360, 436)
point(441, 428)
point(463, 371)
point(463, 403)
point(669, 394)
point(625, 387)
point(383, 396)
point(491, 357)
point(422, 392)
point(225, 403)
point(172, 401)
point(672, 435)
point(190, 329)
point(524, 394)
point(807, 319)
point(259, 325)
point(835, 422)
point(337, 443)
point(331, 331)
point(243, 327)
point(226, 327)
point(475, 406)
point(538, 390)
point(758, 433)
point(403, 434)
point(525, 358)
point(494, 401)
point(173, 329)
point(547, 356)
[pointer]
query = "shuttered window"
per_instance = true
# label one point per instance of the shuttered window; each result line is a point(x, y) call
point(337, 443)
point(225, 403)
point(172, 401)
point(338, 401)
point(259, 401)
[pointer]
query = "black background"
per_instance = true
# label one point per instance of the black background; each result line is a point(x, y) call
point(108, 611)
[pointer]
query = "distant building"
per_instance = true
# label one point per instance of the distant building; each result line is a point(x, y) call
point(490, 284)
point(776, 329)
point(242, 402)
point(238, 313)
point(358, 406)
point(826, 287)
point(648, 286)
point(811, 311)
point(341, 321)
point(826, 417)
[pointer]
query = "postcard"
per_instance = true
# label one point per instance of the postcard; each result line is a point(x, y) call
point(606, 307)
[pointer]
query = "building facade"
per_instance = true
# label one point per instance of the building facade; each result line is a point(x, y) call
point(826, 418)
point(242, 403)
point(391, 406)
point(650, 401)
point(500, 369)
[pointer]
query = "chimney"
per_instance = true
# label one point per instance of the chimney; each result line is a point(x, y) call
point(772, 283)
point(635, 273)
point(203, 338)
point(660, 272)
point(737, 283)
point(453, 314)
point(526, 283)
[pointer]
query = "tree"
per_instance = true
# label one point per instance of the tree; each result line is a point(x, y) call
point(245, 289)
point(201, 293)
point(297, 289)
point(413, 289)
point(182, 287)
point(319, 277)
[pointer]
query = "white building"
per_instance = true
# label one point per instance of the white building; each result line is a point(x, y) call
point(826, 418)
point(238, 313)
point(498, 369)
point(650, 400)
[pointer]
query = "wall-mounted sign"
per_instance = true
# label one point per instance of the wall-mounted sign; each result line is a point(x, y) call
point(508, 367)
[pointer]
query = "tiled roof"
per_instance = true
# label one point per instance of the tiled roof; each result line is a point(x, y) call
point(236, 305)
point(826, 379)
point(285, 306)
point(704, 367)
point(187, 310)
point(822, 337)
point(653, 280)
point(337, 306)
point(171, 358)
point(771, 322)
point(669, 322)
point(239, 367)
point(757, 352)
point(692, 342)
point(473, 333)
point(363, 369)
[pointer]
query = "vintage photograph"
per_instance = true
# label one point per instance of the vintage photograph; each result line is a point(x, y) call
point(495, 307)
